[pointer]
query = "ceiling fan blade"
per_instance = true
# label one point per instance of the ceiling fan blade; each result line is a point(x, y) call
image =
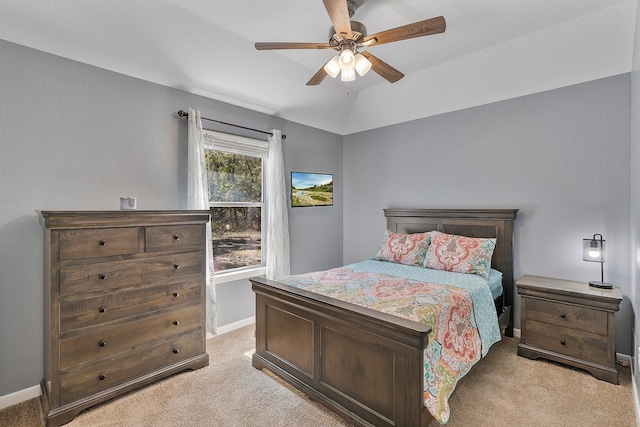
point(410, 31)
point(318, 77)
point(291, 45)
point(382, 68)
point(339, 14)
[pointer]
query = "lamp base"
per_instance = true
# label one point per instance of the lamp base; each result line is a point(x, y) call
point(601, 285)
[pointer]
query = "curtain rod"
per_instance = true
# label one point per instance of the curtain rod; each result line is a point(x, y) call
point(182, 113)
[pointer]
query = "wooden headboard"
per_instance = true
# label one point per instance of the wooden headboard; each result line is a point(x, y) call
point(496, 223)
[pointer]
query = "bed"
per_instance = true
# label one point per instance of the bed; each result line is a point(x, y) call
point(363, 364)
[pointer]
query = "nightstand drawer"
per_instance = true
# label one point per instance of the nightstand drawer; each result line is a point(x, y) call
point(568, 316)
point(570, 342)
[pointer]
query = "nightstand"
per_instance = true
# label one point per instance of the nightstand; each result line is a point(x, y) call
point(571, 323)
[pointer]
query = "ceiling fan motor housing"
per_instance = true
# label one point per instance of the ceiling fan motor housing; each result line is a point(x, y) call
point(358, 32)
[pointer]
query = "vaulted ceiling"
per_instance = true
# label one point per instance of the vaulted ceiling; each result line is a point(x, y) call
point(491, 50)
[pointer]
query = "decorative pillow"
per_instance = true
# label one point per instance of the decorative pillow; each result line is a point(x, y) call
point(407, 249)
point(460, 254)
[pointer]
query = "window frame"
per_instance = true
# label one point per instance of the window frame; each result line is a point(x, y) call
point(252, 148)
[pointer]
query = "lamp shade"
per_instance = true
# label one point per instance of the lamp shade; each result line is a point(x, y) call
point(346, 59)
point(333, 66)
point(362, 64)
point(348, 75)
point(593, 250)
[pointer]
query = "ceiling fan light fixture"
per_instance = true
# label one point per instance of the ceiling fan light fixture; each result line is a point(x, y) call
point(348, 75)
point(346, 59)
point(333, 66)
point(362, 64)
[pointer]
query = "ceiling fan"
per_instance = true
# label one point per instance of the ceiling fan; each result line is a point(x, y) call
point(347, 37)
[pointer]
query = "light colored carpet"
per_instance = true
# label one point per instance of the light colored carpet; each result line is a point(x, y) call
point(501, 390)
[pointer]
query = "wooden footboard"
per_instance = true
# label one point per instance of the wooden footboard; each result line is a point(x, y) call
point(364, 365)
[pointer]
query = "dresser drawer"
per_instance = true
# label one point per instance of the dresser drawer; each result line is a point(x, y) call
point(123, 304)
point(99, 278)
point(91, 243)
point(171, 237)
point(569, 316)
point(167, 268)
point(567, 341)
point(113, 342)
point(106, 277)
point(96, 378)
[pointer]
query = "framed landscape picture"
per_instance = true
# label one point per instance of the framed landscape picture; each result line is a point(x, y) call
point(311, 189)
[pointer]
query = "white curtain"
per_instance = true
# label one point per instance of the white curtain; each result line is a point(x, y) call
point(198, 198)
point(278, 254)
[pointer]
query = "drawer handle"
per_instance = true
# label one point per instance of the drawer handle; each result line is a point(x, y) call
point(176, 294)
point(102, 343)
point(564, 316)
point(563, 342)
point(176, 266)
point(176, 351)
point(176, 322)
point(102, 276)
point(176, 237)
point(102, 309)
point(102, 243)
point(102, 377)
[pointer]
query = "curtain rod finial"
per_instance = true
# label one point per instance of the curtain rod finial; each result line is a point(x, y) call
point(182, 113)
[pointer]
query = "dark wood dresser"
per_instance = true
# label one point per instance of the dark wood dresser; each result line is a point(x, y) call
point(569, 322)
point(124, 303)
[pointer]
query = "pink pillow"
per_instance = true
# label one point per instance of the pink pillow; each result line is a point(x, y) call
point(407, 249)
point(460, 254)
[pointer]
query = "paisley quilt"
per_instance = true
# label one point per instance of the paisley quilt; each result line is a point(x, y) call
point(455, 344)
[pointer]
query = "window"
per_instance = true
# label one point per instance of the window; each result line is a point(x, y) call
point(235, 172)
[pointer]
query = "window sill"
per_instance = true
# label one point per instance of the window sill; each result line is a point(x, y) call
point(232, 276)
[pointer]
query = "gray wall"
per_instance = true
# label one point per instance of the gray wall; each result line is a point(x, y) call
point(635, 202)
point(635, 219)
point(561, 157)
point(78, 137)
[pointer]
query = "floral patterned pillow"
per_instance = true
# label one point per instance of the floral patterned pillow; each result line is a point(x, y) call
point(460, 254)
point(407, 249)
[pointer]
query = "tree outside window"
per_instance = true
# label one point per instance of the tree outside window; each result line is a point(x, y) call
point(236, 199)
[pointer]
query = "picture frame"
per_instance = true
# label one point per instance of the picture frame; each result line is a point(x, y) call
point(310, 189)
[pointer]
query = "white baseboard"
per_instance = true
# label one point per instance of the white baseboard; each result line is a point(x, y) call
point(19, 396)
point(636, 400)
point(626, 358)
point(233, 326)
point(517, 333)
